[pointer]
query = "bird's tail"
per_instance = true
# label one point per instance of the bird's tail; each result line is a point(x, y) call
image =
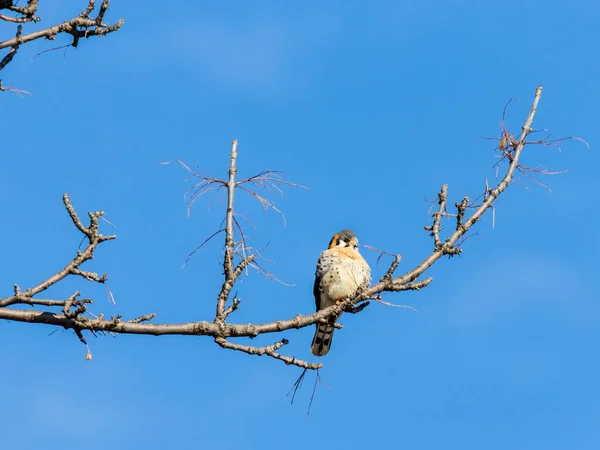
point(322, 341)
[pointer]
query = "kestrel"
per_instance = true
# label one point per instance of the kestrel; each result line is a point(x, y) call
point(341, 270)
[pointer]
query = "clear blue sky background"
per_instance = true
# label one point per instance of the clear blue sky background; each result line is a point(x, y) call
point(373, 108)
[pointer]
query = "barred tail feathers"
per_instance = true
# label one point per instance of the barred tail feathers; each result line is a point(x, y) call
point(322, 341)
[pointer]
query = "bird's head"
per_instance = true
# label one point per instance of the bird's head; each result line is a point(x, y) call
point(344, 238)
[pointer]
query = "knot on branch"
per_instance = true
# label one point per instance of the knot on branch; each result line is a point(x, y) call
point(115, 320)
point(79, 305)
point(450, 250)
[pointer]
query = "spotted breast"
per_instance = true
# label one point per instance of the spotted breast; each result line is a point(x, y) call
point(341, 270)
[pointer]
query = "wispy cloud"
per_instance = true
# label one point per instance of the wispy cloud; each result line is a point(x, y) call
point(72, 413)
point(264, 52)
point(527, 281)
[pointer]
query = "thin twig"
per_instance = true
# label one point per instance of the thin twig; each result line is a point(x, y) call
point(270, 350)
point(437, 216)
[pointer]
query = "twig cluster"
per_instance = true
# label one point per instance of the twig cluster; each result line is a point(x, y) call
point(84, 25)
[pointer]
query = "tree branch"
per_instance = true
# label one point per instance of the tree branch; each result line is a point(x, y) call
point(270, 350)
point(72, 268)
point(437, 217)
point(228, 270)
point(91, 27)
point(74, 310)
point(13, 51)
point(27, 12)
point(81, 26)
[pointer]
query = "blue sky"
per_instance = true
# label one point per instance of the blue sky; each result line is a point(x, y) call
point(372, 109)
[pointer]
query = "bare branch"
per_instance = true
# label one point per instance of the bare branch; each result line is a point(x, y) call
point(388, 275)
point(228, 260)
point(27, 12)
point(90, 27)
point(90, 276)
point(144, 318)
point(13, 51)
point(235, 304)
point(270, 350)
point(447, 246)
point(74, 217)
point(462, 208)
point(437, 217)
point(228, 269)
point(72, 268)
point(81, 26)
point(238, 256)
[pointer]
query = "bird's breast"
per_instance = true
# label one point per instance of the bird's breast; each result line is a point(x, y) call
point(341, 276)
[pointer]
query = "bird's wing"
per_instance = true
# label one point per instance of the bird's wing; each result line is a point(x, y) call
point(318, 277)
point(317, 291)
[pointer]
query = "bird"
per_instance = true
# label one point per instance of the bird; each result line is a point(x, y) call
point(341, 270)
